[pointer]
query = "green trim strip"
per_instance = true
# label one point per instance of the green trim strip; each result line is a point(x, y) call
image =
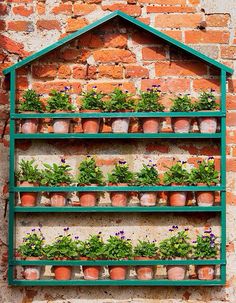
point(133, 21)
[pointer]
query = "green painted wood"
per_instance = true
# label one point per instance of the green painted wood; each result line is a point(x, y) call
point(132, 20)
point(107, 209)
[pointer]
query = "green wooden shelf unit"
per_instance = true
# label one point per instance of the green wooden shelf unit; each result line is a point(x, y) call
point(219, 209)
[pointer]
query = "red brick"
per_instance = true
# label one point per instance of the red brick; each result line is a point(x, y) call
point(90, 40)
point(167, 85)
point(144, 20)
point(12, 46)
point(75, 24)
point(205, 84)
point(108, 87)
point(20, 26)
point(217, 20)
point(153, 53)
point(194, 2)
point(4, 99)
point(231, 102)
point(44, 71)
point(162, 148)
point(231, 119)
point(47, 87)
point(132, 10)
point(48, 25)
point(209, 36)
point(20, 1)
point(180, 68)
point(170, 9)
point(115, 40)
point(116, 55)
point(22, 83)
point(228, 52)
point(110, 71)
point(176, 34)
point(232, 85)
point(3, 9)
point(41, 8)
point(177, 20)
point(136, 71)
point(22, 10)
point(72, 54)
point(164, 2)
point(230, 245)
point(2, 25)
point(64, 8)
point(84, 9)
point(79, 72)
point(231, 165)
point(231, 137)
point(64, 71)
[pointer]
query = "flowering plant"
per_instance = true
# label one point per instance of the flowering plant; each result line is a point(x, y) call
point(90, 173)
point(182, 104)
point(145, 249)
point(59, 101)
point(32, 245)
point(176, 174)
point(206, 101)
point(28, 172)
point(56, 175)
point(206, 246)
point(148, 175)
point(92, 99)
point(119, 101)
point(92, 248)
point(121, 174)
point(31, 101)
point(149, 101)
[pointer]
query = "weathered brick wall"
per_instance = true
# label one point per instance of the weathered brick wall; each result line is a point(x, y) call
point(115, 54)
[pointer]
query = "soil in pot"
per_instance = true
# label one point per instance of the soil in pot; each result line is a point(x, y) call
point(119, 198)
point(120, 125)
point(29, 126)
point(205, 198)
point(206, 272)
point(177, 198)
point(207, 125)
point(151, 125)
point(88, 198)
point(62, 272)
point(90, 125)
point(28, 199)
point(181, 125)
point(90, 272)
point(117, 272)
point(58, 199)
point(176, 272)
point(148, 199)
point(144, 272)
point(31, 272)
point(60, 125)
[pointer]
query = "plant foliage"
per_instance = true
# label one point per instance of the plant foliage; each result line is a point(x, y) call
point(92, 248)
point(121, 174)
point(206, 101)
point(145, 249)
point(205, 173)
point(56, 175)
point(92, 100)
point(59, 101)
point(32, 245)
point(176, 174)
point(182, 104)
point(31, 102)
point(90, 173)
point(118, 248)
point(206, 246)
point(28, 172)
point(149, 101)
point(148, 175)
point(119, 101)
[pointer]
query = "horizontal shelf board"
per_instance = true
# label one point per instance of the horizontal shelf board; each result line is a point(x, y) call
point(119, 115)
point(117, 136)
point(118, 262)
point(118, 282)
point(95, 209)
point(115, 188)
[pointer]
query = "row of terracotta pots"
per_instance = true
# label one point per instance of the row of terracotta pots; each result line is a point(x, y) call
point(121, 125)
point(144, 272)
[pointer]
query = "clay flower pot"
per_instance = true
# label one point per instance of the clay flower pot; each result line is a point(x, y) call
point(151, 125)
point(205, 198)
point(30, 125)
point(206, 272)
point(119, 198)
point(117, 272)
point(88, 198)
point(61, 125)
point(90, 125)
point(90, 272)
point(145, 272)
point(62, 272)
point(181, 125)
point(120, 125)
point(176, 272)
point(177, 198)
point(58, 199)
point(207, 125)
point(148, 199)
point(28, 199)
point(31, 272)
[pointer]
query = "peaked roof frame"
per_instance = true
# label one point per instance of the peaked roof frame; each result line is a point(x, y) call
point(134, 21)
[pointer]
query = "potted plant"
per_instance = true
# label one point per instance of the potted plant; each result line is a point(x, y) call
point(119, 102)
point(148, 176)
point(91, 249)
point(205, 175)
point(149, 102)
point(62, 248)
point(175, 247)
point(118, 248)
point(207, 102)
point(206, 247)
point(30, 104)
point(92, 103)
point(32, 249)
point(145, 250)
point(177, 175)
point(181, 104)
point(89, 175)
point(59, 102)
point(29, 176)
point(120, 176)
point(57, 175)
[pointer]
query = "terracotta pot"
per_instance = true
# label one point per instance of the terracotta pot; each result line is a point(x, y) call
point(58, 199)
point(177, 198)
point(29, 126)
point(148, 198)
point(144, 272)
point(181, 124)
point(207, 125)
point(90, 125)
point(206, 272)
point(62, 272)
point(32, 272)
point(119, 198)
point(151, 125)
point(88, 198)
point(205, 198)
point(120, 125)
point(176, 272)
point(28, 199)
point(60, 125)
point(117, 272)
point(90, 272)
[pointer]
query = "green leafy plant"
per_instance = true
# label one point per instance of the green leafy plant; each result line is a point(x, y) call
point(148, 175)
point(91, 248)
point(31, 102)
point(59, 101)
point(92, 100)
point(182, 104)
point(118, 248)
point(149, 101)
point(32, 245)
point(205, 173)
point(119, 101)
point(206, 246)
point(63, 247)
point(176, 246)
point(121, 174)
point(90, 173)
point(145, 249)
point(206, 101)
point(177, 174)
point(28, 172)
point(56, 175)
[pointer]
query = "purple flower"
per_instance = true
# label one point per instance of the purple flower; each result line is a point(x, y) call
point(171, 229)
point(33, 229)
point(120, 84)
point(95, 86)
point(212, 244)
point(117, 234)
point(212, 235)
point(148, 89)
point(212, 90)
point(186, 229)
point(207, 231)
point(210, 158)
point(121, 232)
point(76, 237)
point(100, 233)
point(123, 237)
point(194, 241)
point(63, 160)
point(175, 226)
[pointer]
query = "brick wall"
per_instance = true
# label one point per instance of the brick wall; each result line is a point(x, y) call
point(114, 54)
